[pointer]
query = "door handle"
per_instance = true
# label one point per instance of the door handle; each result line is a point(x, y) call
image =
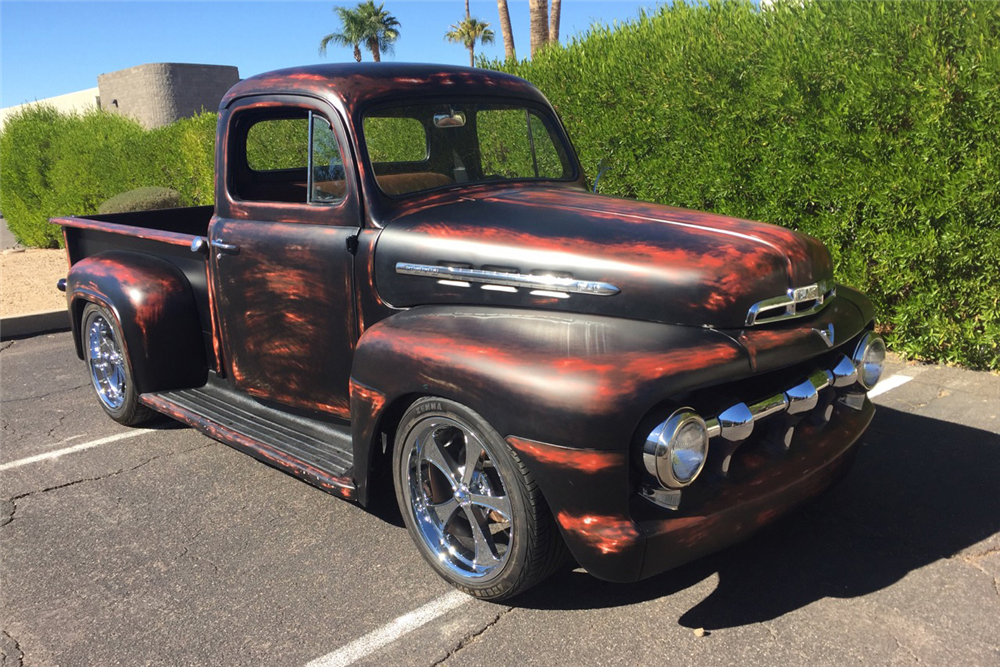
point(225, 248)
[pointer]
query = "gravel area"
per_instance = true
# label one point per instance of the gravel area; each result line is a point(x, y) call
point(28, 281)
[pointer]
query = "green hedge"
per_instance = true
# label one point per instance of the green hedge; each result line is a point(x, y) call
point(874, 126)
point(53, 164)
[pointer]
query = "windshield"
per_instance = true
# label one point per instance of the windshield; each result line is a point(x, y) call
point(430, 145)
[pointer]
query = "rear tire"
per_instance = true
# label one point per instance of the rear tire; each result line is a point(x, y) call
point(110, 370)
point(469, 503)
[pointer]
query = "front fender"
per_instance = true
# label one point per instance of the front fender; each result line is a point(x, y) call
point(156, 312)
point(582, 381)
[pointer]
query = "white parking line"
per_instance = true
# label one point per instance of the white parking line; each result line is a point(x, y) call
point(889, 384)
point(390, 632)
point(75, 448)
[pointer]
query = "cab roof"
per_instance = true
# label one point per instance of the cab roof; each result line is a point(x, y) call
point(351, 86)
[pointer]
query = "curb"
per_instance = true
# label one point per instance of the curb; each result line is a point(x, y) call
point(32, 324)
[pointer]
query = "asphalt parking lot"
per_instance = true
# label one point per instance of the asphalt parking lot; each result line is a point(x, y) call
point(163, 547)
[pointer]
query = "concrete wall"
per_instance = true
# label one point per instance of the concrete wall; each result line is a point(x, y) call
point(82, 100)
point(157, 94)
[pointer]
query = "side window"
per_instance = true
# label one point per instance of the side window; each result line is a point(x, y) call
point(515, 143)
point(290, 155)
point(278, 144)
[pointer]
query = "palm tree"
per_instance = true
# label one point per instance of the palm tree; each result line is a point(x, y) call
point(506, 31)
point(468, 32)
point(380, 28)
point(538, 13)
point(351, 33)
point(554, 23)
point(367, 24)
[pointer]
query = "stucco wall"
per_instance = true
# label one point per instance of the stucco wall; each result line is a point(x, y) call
point(157, 94)
point(81, 100)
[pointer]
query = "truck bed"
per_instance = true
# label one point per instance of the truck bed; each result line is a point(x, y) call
point(165, 233)
point(171, 225)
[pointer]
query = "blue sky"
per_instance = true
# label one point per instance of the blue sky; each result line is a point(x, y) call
point(51, 48)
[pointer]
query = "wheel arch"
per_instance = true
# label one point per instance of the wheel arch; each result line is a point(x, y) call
point(155, 309)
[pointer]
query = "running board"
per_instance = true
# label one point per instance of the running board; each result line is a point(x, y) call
point(317, 452)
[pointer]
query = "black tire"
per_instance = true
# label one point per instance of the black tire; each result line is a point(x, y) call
point(494, 563)
point(109, 367)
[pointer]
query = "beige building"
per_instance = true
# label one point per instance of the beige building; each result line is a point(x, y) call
point(155, 94)
point(77, 102)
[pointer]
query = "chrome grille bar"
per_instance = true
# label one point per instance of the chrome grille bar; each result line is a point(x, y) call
point(736, 422)
point(527, 281)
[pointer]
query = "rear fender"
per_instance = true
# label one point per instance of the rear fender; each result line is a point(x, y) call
point(156, 312)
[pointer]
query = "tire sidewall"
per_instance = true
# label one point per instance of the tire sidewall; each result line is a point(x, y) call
point(501, 454)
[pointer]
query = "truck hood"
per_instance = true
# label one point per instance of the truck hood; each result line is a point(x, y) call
point(659, 263)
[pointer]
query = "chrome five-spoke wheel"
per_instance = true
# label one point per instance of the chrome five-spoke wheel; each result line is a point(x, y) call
point(469, 502)
point(457, 497)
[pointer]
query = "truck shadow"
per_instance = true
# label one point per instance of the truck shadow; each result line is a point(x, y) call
point(922, 490)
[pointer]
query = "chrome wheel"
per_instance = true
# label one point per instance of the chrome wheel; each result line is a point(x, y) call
point(457, 498)
point(107, 363)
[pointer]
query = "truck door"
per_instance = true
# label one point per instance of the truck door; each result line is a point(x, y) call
point(287, 209)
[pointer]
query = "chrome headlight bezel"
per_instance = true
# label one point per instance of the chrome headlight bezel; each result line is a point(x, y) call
point(658, 451)
point(870, 346)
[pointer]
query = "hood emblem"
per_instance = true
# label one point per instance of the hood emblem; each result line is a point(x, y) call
point(827, 334)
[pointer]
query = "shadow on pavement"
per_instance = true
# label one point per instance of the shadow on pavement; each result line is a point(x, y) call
point(920, 491)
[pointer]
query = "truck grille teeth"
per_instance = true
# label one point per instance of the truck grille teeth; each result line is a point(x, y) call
point(736, 423)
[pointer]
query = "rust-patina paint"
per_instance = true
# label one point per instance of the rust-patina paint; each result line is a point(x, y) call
point(311, 314)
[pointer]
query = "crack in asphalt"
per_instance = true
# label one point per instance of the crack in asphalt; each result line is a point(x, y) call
point(473, 637)
point(59, 420)
point(186, 548)
point(901, 646)
point(972, 561)
point(10, 651)
point(6, 519)
point(774, 636)
point(61, 390)
point(7, 344)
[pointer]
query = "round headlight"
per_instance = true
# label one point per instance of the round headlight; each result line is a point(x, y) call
point(869, 359)
point(675, 451)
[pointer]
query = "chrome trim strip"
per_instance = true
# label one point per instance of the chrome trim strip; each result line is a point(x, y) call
point(554, 283)
point(737, 422)
point(820, 292)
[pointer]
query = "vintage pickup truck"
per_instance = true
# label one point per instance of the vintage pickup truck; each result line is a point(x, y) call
point(406, 277)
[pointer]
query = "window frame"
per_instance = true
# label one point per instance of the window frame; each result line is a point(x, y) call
point(235, 123)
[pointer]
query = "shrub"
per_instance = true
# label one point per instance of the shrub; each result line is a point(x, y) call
point(141, 199)
point(54, 165)
point(872, 125)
